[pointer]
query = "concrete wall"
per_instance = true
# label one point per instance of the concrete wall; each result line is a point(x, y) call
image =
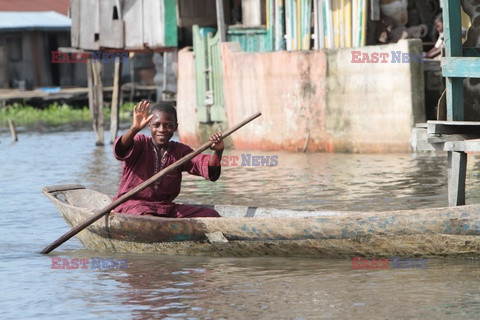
point(314, 99)
point(372, 107)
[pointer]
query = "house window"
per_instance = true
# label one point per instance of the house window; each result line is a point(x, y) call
point(14, 49)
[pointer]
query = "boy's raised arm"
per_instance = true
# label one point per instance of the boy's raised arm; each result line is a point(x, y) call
point(140, 121)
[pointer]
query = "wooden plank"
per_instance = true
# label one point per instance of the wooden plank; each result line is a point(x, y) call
point(457, 146)
point(462, 146)
point(153, 23)
point(461, 67)
point(111, 30)
point(170, 24)
point(75, 7)
point(453, 127)
point(442, 138)
point(90, 26)
point(457, 169)
point(133, 19)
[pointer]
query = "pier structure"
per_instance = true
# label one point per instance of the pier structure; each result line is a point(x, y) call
point(456, 134)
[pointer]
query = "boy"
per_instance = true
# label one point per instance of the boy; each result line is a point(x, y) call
point(144, 156)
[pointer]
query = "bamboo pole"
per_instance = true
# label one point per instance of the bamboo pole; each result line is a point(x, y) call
point(354, 23)
point(364, 22)
point(336, 22)
point(348, 23)
point(342, 23)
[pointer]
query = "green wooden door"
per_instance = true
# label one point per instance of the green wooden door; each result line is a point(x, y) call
point(208, 76)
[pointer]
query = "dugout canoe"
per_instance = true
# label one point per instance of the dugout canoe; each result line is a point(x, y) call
point(249, 231)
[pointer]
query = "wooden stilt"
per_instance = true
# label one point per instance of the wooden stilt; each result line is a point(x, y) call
point(132, 76)
point(457, 169)
point(95, 99)
point(13, 131)
point(114, 116)
point(165, 75)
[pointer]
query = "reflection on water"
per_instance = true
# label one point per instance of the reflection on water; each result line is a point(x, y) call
point(213, 288)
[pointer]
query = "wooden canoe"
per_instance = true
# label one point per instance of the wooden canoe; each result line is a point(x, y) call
point(249, 231)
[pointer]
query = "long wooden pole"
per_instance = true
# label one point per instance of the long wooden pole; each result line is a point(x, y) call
point(142, 186)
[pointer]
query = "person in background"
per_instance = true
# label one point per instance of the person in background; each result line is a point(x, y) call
point(436, 51)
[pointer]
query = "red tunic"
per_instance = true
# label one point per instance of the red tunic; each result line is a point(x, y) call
point(142, 161)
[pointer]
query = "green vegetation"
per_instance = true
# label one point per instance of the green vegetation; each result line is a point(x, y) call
point(54, 115)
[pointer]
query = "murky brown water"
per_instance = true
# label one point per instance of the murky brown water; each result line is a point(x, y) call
point(228, 288)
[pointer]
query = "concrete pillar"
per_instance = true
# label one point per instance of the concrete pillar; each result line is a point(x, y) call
point(251, 12)
point(457, 169)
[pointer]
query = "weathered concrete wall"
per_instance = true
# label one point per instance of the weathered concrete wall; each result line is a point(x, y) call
point(347, 107)
point(287, 87)
point(372, 107)
point(186, 99)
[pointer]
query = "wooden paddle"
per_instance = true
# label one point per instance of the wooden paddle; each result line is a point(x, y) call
point(142, 186)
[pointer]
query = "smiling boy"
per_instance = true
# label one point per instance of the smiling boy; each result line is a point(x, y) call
point(144, 156)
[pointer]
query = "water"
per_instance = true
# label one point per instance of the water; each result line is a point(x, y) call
point(224, 288)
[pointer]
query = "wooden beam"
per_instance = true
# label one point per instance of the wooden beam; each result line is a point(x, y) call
point(458, 146)
point(452, 24)
point(471, 52)
point(461, 67)
point(453, 127)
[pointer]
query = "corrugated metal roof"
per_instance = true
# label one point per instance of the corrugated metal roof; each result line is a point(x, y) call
point(47, 21)
point(60, 6)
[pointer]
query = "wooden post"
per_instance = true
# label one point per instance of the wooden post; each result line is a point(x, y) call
point(132, 76)
point(165, 75)
point(457, 169)
point(95, 99)
point(13, 131)
point(452, 22)
point(114, 117)
point(221, 20)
